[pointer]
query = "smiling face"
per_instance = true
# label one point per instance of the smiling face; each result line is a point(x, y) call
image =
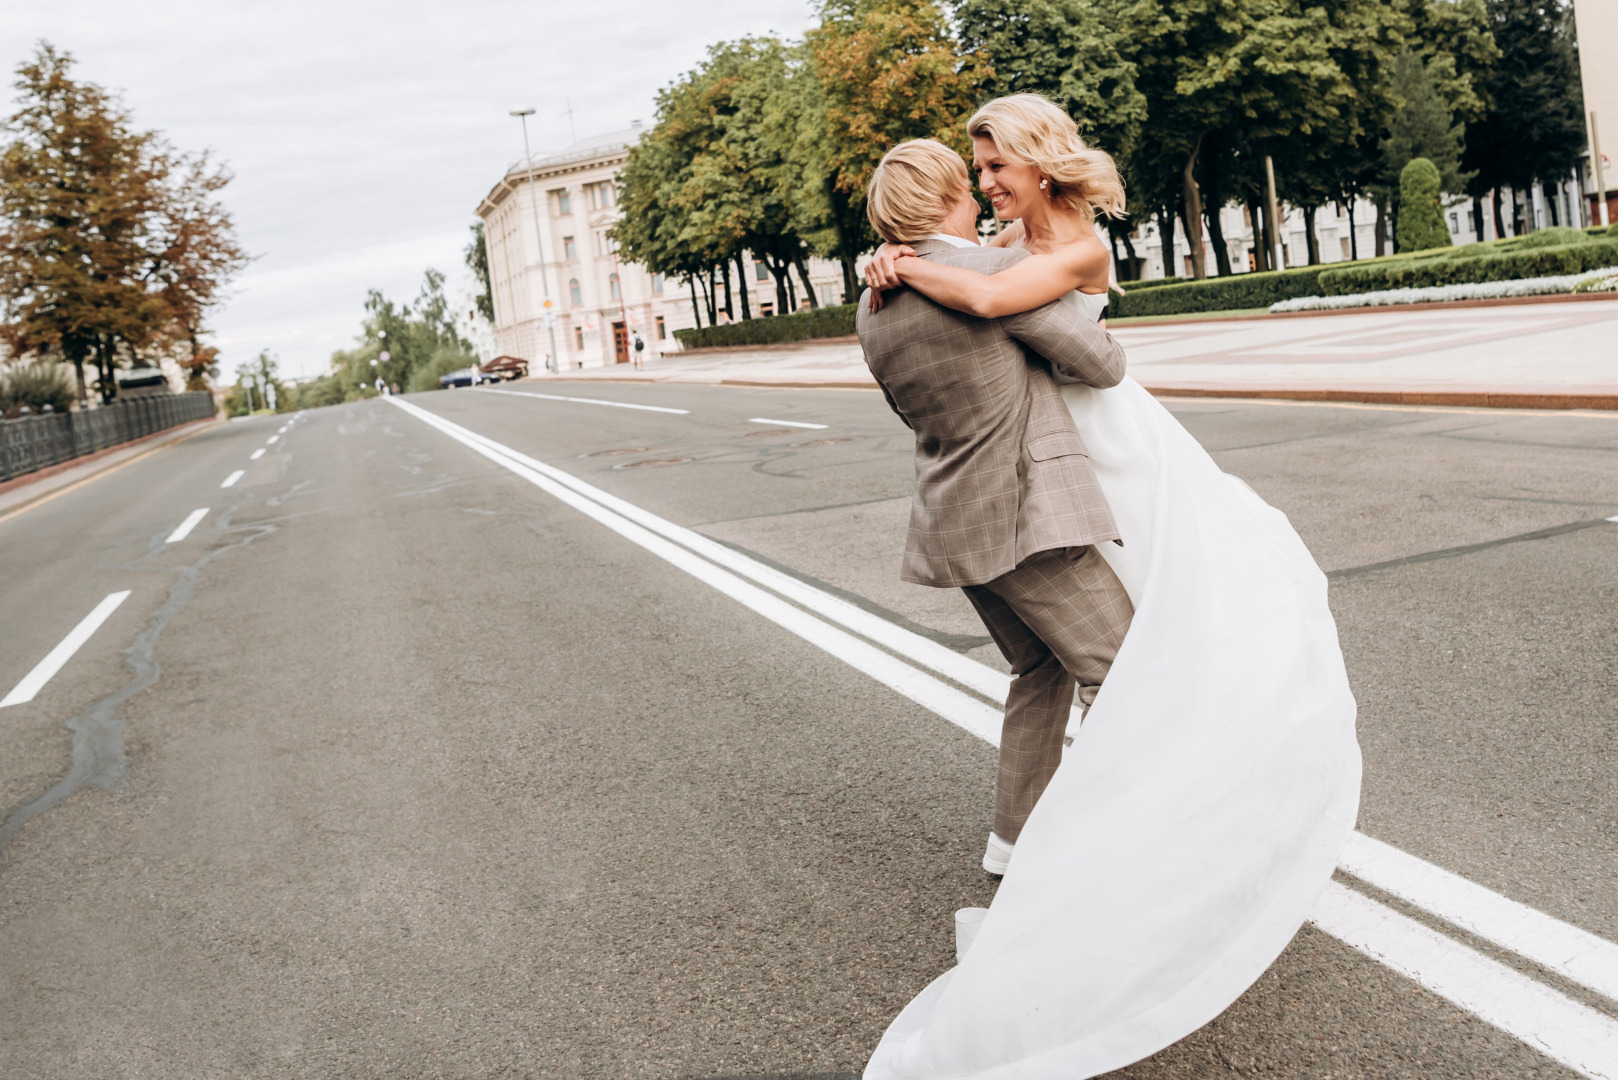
point(1012, 187)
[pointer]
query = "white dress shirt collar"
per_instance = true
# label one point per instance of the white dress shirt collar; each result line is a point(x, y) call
point(953, 241)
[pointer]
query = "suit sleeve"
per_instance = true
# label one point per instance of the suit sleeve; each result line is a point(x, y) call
point(1078, 349)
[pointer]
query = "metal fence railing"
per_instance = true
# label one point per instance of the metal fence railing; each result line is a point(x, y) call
point(37, 442)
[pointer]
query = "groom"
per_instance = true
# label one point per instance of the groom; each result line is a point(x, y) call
point(1007, 507)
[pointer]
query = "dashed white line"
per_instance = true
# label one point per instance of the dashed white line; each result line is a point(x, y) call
point(1571, 1033)
point(183, 530)
point(256, 454)
point(1614, 518)
point(230, 481)
point(33, 682)
point(786, 423)
point(587, 401)
point(273, 439)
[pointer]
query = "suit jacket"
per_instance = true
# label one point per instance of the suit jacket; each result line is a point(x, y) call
point(1001, 472)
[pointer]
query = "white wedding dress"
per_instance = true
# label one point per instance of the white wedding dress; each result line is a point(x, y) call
point(1201, 808)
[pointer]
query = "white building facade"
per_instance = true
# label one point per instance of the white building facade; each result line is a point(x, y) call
point(598, 303)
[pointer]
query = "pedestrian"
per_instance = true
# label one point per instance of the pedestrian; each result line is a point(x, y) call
point(640, 347)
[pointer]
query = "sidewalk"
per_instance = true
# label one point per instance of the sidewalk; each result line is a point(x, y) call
point(1551, 356)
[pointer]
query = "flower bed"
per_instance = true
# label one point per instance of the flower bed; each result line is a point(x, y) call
point(1604, 279)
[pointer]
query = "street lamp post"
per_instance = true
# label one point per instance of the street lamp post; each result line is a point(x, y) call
point(552, 362)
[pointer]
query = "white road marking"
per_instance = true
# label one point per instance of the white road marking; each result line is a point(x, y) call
point(1613, 518)
point(183, 530)
point(273, 440)
point(1407, 953)
point(230, 481)
point(256, 454)
point(587, 401)
point(1571, 1033)
point(33, 682)
point(282, 430)
point(786, 423)
point(1575, 954)
point(969, 712)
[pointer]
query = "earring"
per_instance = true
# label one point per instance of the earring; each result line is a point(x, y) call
point(1043, 184)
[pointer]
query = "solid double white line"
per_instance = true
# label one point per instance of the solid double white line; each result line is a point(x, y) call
point(1571, 1033)
point(33, 682)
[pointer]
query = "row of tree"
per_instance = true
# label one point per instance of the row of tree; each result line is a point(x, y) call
point(766, 147)
point(114, 246)
point(404, 345)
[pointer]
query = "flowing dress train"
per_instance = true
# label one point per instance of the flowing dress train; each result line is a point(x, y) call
point(1201, 808)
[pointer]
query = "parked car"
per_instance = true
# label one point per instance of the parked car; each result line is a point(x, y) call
point(507, 367)
point(466, 376)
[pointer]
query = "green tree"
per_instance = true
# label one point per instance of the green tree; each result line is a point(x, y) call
point(1533, 129)
point(477, 260)
point(1421, 217)
point(1422, 126)
point(258, 382)
point(77, 187)
point(887, 71)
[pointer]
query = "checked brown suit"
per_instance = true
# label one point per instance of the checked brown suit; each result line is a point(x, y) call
point(1007, 507)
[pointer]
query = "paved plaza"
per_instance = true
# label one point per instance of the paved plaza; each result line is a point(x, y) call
point(1512, 351)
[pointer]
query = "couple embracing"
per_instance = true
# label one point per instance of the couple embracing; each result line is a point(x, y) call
point(1155, 867)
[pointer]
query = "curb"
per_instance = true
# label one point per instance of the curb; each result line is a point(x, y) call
point(1474, 398)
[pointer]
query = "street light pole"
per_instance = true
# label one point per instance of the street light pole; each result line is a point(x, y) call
point(553, 362)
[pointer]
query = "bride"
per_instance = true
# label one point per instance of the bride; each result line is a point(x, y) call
point(1202, 805)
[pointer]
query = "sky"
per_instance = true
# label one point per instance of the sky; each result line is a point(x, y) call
point(362, 135)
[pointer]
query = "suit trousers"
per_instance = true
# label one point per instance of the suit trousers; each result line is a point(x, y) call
point(1058, 618)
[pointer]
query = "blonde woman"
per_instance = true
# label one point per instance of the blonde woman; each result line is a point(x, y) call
point(1197, 816)
point(1039, 175)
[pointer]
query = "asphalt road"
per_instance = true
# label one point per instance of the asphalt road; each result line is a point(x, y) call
point(398, 765)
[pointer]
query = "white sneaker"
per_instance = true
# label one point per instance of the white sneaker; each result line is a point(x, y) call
point(998, 856)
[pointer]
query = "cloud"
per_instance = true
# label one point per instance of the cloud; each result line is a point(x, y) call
point(362, 135)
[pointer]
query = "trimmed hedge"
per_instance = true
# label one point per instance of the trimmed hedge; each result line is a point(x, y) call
point(1252, 290)
point(1526, 261)
point(823, 322)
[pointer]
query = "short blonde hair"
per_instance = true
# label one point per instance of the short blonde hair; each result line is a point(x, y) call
point(913, 190)
point(1033, 130)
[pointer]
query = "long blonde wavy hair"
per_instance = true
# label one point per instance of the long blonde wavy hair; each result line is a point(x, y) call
point(1033, 130)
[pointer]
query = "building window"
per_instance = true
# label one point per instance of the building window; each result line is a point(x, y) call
point(657, 284)
point(612, 287)
point(605, 245)
point(578, 336)
point(760, 271)
point(600, 195)
point(564, 202)
point(570, 249)
point(575, 293)
point(766, 310)
point(1454, 222)
point(662, 331)
point(1347, 248)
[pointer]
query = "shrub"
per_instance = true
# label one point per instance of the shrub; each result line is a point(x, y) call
point(36, 385)
point(1555, 236)
point(444, 360)
point(1254, 290)
point(1501, 265)
point(1421, 220)
point(798, 326)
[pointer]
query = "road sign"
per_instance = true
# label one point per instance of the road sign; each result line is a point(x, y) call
point(550, 320)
